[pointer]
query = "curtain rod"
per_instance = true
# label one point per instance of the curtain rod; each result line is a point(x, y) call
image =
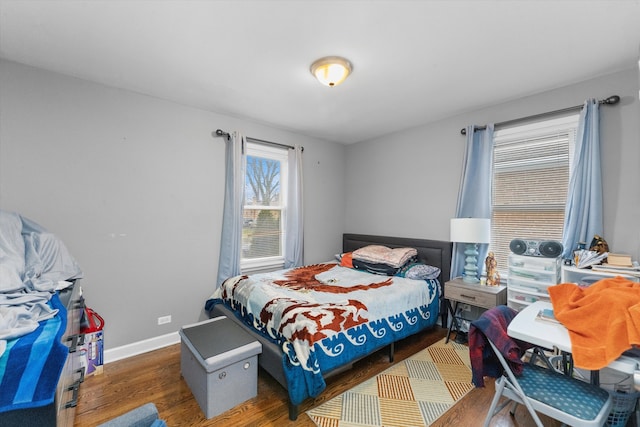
point(612, 100)
point(220, 132)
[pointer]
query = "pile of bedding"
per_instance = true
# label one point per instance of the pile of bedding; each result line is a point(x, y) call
point(33, 265)
point(377, 259)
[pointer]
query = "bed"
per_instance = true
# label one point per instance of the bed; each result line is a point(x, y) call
point(351, 313)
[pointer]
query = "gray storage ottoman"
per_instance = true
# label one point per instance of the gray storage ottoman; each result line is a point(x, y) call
point(219, 362)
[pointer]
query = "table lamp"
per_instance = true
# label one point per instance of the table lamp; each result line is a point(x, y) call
point(471, 231)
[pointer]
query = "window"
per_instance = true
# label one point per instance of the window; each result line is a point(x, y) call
point(531, 170)
point(264, 207)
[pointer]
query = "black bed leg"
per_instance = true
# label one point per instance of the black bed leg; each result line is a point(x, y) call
point(391, 351)
point(293, 411)
point(444, 313)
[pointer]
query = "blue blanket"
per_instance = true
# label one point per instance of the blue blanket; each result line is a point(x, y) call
point(31, 364)
point(324, 316)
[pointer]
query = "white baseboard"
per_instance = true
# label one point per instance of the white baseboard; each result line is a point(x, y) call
point(144, 346)
point(140, 347)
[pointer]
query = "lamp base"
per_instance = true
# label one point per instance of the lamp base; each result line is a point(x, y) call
point(470, 279)
point(471, 263)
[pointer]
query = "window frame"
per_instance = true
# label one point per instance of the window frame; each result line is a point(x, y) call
point(568, 125)
point(257, 149)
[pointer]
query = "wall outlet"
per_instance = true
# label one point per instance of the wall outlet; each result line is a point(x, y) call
point(164, 319)
point(465, 307)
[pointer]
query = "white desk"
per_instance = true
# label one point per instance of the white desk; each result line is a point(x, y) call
point(550, 335)
point(546, 334)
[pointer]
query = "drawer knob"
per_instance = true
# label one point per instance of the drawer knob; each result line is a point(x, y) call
point(472, 298)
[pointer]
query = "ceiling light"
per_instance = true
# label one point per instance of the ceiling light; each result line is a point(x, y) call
point(331, 70)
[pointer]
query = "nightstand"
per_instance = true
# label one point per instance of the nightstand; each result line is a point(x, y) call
point(472, 294)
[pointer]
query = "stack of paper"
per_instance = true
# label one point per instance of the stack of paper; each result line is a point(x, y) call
point(547, 315)
point(584, 258)
point(634, 270)
point(621, 260)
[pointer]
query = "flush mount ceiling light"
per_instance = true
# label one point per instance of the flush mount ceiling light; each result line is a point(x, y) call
point(331, 70)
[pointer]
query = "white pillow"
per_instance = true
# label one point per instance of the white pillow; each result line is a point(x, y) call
point(377, 254)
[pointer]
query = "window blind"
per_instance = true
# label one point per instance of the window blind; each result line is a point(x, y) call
point(532, 165)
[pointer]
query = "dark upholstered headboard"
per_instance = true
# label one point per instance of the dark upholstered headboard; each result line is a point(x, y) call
point(432, 252)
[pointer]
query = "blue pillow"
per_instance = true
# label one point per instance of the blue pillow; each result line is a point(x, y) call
point(419, 271)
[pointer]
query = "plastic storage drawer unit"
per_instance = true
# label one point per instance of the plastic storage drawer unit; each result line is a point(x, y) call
point(529, 278)
point(537, 269)
point(219, 362)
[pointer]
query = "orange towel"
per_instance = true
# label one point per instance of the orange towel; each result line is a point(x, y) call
point(603, 319)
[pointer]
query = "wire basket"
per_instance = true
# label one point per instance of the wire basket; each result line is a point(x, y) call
point(623, 406)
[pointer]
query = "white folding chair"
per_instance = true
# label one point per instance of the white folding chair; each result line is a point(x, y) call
point(566, 399)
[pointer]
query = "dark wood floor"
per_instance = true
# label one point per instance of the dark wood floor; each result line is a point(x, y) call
point(155, 377)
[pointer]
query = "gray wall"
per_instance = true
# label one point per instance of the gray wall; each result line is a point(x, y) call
point(407, 183)
point(134, 186)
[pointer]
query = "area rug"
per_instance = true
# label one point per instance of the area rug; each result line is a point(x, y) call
point(414, 392)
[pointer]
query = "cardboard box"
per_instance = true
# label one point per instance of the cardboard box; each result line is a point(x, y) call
point(92, 353)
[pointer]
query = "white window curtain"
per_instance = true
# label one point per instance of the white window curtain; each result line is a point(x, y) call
point(474, 196)
point(232, 220)
point(294, 234)
point(583, 212)
point(231, 239)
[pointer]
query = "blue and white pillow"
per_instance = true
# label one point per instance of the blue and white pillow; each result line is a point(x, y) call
point(419, 271)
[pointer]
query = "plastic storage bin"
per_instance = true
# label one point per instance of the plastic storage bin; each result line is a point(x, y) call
point(544, 270)
point(526, 296)
point(624, 404)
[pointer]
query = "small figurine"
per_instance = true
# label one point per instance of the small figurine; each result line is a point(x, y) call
point(493, 276)
point(598, 244)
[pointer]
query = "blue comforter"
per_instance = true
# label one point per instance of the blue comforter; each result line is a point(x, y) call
point(31, 365)
point(325, 316)
point(33, 265)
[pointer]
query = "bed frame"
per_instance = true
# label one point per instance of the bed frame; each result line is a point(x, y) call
point(433, 252)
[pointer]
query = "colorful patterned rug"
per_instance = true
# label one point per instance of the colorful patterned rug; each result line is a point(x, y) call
point(414, 392)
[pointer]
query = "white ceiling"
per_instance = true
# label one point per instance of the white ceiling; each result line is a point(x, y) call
point(414, 61)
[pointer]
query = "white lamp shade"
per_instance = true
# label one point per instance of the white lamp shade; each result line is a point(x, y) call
point(471, 230)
